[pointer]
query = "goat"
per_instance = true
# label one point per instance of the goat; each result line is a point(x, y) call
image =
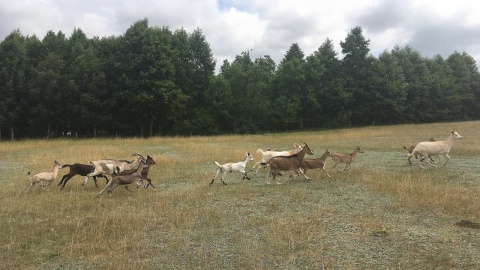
point(108, 166)
point(427, 149)
point(149, 161)
point(232, 167)
point(267, 155)
point(339, 158)
point(410, 150)
point(124, 179)
point(316, 163)
point(79, 169)
point(44, 177)
point(286, 163)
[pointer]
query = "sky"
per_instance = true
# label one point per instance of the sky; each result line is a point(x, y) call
point(264, 27)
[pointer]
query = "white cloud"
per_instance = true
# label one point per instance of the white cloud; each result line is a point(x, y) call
point(264, 26)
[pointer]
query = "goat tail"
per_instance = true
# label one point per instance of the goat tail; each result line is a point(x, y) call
point(260, 151)
point(65, 165)
point(218, 164)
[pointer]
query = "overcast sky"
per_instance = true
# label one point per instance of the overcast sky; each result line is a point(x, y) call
point(267, 27)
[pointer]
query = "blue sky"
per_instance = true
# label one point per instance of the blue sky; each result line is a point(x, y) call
point(266, 27)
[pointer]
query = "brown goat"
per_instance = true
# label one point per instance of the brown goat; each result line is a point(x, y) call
point(345, 158)
point(410, 150)
point(149, 161)
point(285, 163)
point(316, 163)
point(124, 180)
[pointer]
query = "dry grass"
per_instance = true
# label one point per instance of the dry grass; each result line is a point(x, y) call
point(382, 214)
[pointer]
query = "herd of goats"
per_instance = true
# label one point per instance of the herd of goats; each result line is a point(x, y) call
point(124, 172)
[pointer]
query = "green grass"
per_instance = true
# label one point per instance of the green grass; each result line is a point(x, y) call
point(382, 214)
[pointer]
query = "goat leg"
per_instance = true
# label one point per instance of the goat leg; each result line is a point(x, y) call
point(95, 181)
point(149, 183)
point(335, 166)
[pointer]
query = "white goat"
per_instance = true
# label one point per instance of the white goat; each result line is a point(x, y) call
point(233, 167)
point(438, 148)
point(410, 150)
point(267, 155)
point(44, 177)
point(339, 158)
point(109, 166)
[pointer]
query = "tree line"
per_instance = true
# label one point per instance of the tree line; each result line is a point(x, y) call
point(152, 81)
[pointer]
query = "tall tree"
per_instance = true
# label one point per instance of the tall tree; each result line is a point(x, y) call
point(388, 90)
point(238, 77)
point(288, 91)
point(13, 61)
point(87, 94)
point(194, 69)
point(357, 71)
point(261, 77)
point(444, 98)
point(416, 76)
point(323, 78)
point(147, 88)
point(467, 83)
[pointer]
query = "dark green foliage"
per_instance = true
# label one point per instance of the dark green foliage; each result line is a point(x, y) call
point(153, 81)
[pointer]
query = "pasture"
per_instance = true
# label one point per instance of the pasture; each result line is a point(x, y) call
point(381, 214)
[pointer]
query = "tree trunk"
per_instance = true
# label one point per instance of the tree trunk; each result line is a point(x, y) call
point(151, 127)
point(94, 130)
point(48, 131)
point(12, 133)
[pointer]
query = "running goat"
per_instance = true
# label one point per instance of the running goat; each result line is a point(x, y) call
point(348, 159)
point(286, 163)
point(438, 148)
point(44, 177)
point(79, 169)
point(233, 167)
point(315, 163)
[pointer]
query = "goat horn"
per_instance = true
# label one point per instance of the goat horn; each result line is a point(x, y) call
point(137, 154)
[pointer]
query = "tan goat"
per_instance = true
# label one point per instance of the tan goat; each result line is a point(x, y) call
point(339, 158)
point(44, 177)
point(315, 163)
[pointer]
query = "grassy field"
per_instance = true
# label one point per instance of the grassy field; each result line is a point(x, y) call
point(381, 214)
